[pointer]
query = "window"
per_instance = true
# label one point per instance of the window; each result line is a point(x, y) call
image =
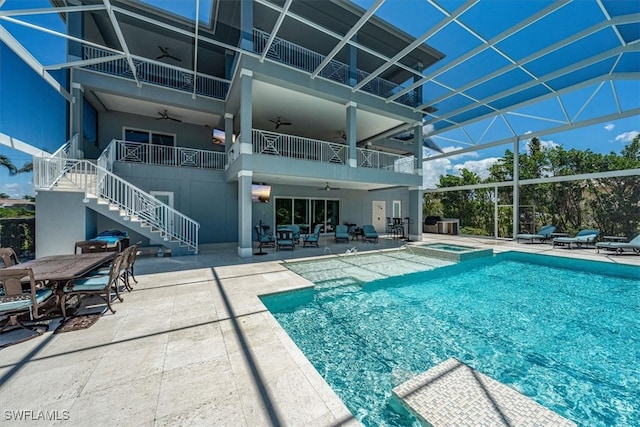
point(397, 209)
point(307, 213)
point(146, 136)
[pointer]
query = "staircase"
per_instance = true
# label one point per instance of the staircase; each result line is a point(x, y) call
point(118, 200)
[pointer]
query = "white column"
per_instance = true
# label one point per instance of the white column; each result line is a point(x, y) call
point(244, 213)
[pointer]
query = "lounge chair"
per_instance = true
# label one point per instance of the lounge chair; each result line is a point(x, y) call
point(619, 247)
point(312, 239)
point(584, 237)
point(341, 233)
point(369, 233)
point(91, 246)
point(543, 234)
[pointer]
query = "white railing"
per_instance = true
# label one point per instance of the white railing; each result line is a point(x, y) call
point(131, 201)
point(158, 74)
point(297, 147)
point(139, 152)
point(299, 57)
point(379, 160)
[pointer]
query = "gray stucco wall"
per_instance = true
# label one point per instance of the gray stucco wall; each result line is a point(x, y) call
point(66, 221)
point(187, 135)
point(200, 194)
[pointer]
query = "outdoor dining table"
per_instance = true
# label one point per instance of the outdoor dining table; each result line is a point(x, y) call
point(55, 269)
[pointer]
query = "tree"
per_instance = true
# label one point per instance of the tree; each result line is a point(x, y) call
point(6, 162)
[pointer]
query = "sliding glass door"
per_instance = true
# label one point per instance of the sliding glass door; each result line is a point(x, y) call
point(307, 213)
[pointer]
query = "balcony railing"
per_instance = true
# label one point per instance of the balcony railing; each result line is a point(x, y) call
point(299, 57)
point(138, 152)
point(296, 147)
point(158, 74)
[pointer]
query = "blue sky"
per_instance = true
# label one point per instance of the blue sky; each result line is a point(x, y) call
point(32, 111)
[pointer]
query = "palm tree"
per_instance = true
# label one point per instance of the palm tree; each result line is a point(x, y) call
point(6, 162)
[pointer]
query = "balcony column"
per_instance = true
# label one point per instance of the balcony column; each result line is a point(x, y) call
point(244, 213)
point(228, 134)
point(353, 62)
point(246, 112)
point(351, 134)
point(75, 113)
point(246, 25)
point(418, 148)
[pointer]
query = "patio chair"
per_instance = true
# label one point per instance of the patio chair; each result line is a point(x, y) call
point(8, 257)
point(296, 232)
point(100, 285)
point(264, 239)
point(543, 234)
point(619, 247)
point(284, 239)
point(369, 233)
point(584, 237)
point(16, 302)
point(312, 239)
point(91, 246)
point(341, 233)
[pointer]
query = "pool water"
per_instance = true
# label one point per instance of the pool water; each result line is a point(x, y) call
point(562, 332)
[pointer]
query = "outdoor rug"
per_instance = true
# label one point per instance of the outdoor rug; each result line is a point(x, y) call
point(76, 323)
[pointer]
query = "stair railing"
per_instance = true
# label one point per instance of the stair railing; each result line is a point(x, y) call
point(132, 202)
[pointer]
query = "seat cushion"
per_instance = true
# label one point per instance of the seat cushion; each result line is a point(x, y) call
point(93, 283)
point(15, 303)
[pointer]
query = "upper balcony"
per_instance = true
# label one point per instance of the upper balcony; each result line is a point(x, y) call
point(280, 50)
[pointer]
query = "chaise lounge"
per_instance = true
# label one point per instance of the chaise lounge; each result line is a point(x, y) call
point(369, 233)
point(619, 247)
point(342, 233)
point(584, 237)
point(542, 235)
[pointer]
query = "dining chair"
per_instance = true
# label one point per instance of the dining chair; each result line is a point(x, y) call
point(100, 285)
point(16, 302)
point(9, 257)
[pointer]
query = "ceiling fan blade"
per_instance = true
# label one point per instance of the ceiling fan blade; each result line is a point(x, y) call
point(174, 58)
point(175, 120)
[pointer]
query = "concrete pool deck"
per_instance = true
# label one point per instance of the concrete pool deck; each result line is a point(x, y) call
point(193, 345)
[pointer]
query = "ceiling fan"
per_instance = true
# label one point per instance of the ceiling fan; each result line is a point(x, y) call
point(279, 122)
point(166, 54)
point(164, 115)
point(328, 188)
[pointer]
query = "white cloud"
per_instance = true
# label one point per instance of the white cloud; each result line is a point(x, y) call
point(432, 171)
point(427, 129)
point(479, 167)
point(609, 126)
point(627, 136)
point(16, 190)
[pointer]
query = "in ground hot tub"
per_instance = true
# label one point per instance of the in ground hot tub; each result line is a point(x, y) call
point(452, 252)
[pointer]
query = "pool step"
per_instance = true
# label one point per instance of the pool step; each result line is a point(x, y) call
point(453, 393)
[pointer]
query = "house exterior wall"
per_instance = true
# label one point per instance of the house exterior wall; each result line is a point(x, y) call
point(200, 194)
point(58, 230)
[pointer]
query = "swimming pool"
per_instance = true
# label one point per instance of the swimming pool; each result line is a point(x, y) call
point(563, 332)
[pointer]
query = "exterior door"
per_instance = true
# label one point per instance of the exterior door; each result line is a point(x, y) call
point(379, 215)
